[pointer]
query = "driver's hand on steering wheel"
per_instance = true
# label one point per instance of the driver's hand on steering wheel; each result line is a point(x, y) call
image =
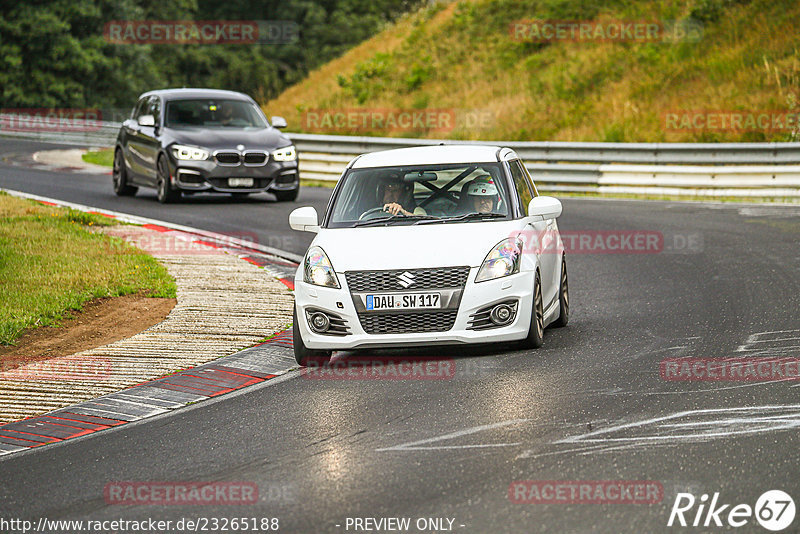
point(394, 208)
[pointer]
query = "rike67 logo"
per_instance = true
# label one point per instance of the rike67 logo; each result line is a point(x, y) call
point(774, 510)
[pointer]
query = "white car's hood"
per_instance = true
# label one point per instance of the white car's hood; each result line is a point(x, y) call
point(406, 247)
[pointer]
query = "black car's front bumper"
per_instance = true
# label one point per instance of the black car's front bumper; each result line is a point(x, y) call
point(209, 175)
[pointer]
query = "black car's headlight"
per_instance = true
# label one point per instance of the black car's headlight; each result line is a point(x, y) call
point(193, 153)
point(287, 153)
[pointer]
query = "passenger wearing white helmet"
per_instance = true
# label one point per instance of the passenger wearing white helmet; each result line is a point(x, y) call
point(483, 194)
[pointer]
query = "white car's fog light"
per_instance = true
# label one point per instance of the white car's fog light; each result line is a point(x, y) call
point(501, 314)
point(319, 322)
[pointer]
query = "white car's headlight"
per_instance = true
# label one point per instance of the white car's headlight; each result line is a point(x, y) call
point(502, 260)
point(287, 153)
point(189, 152)
point(317, 269)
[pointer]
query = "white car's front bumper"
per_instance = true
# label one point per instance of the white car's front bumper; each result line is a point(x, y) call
point(517, 287)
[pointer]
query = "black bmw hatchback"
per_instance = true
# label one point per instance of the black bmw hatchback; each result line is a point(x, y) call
point(203, 140)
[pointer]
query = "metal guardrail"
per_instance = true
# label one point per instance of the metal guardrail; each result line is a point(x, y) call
point(707, 169)
point(702, 169)
point(90, 133)
point(567, 152)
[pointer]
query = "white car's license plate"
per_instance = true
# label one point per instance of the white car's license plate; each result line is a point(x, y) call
point(404, 301)
point(240, 182)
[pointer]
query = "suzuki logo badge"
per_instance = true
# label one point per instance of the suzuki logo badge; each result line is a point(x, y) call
point(405, 279)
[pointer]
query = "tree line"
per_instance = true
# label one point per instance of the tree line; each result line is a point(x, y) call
point(60, 54)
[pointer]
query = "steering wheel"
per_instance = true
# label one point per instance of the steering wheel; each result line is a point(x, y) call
point(377, 209)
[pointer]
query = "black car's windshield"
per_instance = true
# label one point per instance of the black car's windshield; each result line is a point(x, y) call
point(213, 113)
point(416, 193)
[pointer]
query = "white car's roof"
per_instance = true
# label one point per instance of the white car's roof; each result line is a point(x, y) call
point(427, 155)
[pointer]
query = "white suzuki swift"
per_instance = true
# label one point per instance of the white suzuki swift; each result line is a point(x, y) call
point(430, 245)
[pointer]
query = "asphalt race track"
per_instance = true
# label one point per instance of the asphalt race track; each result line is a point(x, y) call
point(591, 405)
point(257, 217)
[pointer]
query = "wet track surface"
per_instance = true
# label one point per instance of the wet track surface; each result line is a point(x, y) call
point(592, 404)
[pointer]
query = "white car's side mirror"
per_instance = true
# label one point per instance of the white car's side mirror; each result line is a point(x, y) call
point(304, 219)
point(278, 122)
point(544, 207)
point(146, 120)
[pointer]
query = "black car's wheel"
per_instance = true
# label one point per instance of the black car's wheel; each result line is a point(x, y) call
point(302, 354)
point(119, 177)
point(287, 196)
point(536, 329)
point(563, 297)
point(165, 192)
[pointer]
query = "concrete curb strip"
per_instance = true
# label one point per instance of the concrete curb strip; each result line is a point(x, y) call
point(224, 305)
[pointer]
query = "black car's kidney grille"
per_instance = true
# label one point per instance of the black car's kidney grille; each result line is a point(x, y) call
point(404, 323)
point(407, 279)
point(254, 158)
point(227, 158)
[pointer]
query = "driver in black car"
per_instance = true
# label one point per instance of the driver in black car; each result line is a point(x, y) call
point(397, 196)
point(226, 115)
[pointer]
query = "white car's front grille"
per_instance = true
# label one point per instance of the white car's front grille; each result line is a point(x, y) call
point(404, 323)
point(449, 281)
point(407, 279)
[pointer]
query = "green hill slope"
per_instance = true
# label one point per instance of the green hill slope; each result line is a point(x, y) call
point(709, 62)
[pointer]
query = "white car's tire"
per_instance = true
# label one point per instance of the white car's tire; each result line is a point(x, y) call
point(302, 354)
point(563, 297)
point(536, 329)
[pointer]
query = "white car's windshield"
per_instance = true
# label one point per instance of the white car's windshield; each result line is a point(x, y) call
point(213, 113)
point(418, 194)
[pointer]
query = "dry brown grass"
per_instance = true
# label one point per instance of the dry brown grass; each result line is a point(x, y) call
point(747, 60)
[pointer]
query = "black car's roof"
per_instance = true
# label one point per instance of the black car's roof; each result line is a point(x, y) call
point(173, 94)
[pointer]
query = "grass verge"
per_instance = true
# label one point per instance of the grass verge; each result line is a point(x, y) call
point(102, 156)
point(51, 262)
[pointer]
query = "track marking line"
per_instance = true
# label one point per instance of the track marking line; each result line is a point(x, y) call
point(414, 445)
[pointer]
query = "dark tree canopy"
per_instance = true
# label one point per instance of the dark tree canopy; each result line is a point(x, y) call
point(54, 54)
